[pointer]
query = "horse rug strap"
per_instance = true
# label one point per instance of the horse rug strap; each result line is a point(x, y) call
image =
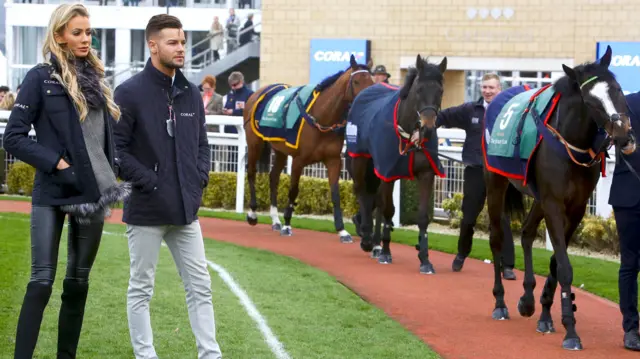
point(515, 126)
point(283, 105)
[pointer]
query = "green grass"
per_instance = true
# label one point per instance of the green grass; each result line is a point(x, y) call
point(599, 276)
point(309, 312)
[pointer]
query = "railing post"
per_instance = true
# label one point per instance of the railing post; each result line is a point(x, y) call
point(242, 150)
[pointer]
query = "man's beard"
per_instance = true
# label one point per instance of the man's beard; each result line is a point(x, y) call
point(171, 65)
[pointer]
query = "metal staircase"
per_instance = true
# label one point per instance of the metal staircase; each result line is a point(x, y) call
point(245, 59)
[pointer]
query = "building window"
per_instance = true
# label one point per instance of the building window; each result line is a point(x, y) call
point(535, 79)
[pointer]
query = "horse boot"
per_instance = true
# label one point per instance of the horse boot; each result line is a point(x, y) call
point(35, 301)
point(74, 298)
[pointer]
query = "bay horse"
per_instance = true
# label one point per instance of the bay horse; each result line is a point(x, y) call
point(587, 112)
point(318, 137)
point(395, 130)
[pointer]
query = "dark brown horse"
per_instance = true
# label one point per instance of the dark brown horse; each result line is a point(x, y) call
point(564, 168)
point(321, 140)
point(394, 130)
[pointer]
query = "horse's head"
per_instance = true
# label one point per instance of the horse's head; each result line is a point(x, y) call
point(603, 97)
point(424, 86)
point(359, 78)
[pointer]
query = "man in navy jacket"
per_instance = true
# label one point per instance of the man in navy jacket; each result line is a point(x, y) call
point(468, 117)
point(162, 150)
point(625, 200)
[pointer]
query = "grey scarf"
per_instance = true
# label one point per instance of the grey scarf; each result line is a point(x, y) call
point(93, 132)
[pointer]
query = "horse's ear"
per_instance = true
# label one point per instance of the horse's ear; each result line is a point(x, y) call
point(354, 64)
point(570, 72)
point(605, 60)
point(443, 65)
point(419, 63)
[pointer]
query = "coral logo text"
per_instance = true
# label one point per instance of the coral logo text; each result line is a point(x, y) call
point(337, 56)
point(625, 60)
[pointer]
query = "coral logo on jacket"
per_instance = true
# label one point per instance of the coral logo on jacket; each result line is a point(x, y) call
point(187, 114)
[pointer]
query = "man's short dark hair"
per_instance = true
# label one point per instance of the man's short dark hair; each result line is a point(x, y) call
point(159, 22)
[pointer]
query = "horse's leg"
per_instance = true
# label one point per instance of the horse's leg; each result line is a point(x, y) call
point(274, 181)
point(365, 201)
point(425, 184)
point(377, 237)
point(558, 225)
point(297, 166)
point(526, 305)
point(545, 323)
point(254, 149)
point(496, 191)
point(334, 166)
point(386, 208)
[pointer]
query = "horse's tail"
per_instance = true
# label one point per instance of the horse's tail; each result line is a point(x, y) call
point(264, 162)
point(514, 202)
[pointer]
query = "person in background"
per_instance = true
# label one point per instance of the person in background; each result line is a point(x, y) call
point(247, 31)
point(236, 98)
point(72, 110)
point(3, 91)
point(624, 197)
point(468, 117)
point(211, 99)
point(217, 37)
point(380, 74)
point(232, 26)
point(7, 102)
point(163, 150)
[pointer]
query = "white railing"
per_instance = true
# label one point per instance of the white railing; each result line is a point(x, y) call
point(229, 155)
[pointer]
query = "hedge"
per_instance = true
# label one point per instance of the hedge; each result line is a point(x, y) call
point(314, 196)
point(594, 232)
point(20, 178)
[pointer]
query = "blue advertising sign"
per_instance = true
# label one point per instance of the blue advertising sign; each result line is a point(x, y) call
point(329, 56)
point(625, 63)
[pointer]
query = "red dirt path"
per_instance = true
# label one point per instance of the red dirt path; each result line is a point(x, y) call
point(449, 311)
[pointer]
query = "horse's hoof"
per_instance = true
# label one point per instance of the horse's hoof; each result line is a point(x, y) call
point(500, 314)
point(377, 251)
point(276, 227)
point(572, 344)
point(385, 259)
point(545, 327)
point(427, 268)
point(526, 309)
point(346, 239)
point(286, 231)
point(366, 246)
point(252, 221)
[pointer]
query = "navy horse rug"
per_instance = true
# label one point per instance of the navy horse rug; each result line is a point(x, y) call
point(372, 131)
point(277, 114)
point(512, 133)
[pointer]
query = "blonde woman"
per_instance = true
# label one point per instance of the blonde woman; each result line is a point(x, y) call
point(71, 108)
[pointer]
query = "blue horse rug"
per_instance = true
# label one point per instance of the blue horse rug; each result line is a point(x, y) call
point(372, 131)
point(512, 134)
point(277, 114)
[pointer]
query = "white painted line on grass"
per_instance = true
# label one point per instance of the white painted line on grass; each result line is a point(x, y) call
point(276, 346)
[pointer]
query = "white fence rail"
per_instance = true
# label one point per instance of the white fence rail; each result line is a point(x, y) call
point(228, 154)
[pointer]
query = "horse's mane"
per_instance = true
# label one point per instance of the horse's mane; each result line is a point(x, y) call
point(567, 87)
point(429, 70)
point(331, 79)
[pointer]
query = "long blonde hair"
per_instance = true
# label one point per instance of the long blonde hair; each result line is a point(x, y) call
point(67, 77)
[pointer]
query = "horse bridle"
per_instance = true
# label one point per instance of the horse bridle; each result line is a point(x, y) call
point(337, 126)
